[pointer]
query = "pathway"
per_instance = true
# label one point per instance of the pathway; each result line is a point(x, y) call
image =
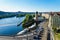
point(44, 36)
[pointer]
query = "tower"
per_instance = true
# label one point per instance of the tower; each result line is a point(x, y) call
point(36, 18)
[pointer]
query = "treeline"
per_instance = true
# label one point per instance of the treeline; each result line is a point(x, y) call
point(12, 15)
point(6, 16)
point(20, 15)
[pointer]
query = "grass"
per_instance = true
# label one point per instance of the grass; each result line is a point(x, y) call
point(57, 36)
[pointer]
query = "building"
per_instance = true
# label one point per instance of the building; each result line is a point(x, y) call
point(46, 15)
point(55, 20)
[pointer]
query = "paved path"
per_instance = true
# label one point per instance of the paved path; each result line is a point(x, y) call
point(44, 36)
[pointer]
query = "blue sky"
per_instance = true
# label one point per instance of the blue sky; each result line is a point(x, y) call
point(30, 5)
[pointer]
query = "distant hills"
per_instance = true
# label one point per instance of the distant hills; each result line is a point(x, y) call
point(7, 13)
point(19, 12)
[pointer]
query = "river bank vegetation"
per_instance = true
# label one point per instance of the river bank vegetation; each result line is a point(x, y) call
point(6, 16)
point(28, 21)
point(12, 14)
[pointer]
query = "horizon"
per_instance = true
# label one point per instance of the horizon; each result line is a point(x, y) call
point(30, 5)
point(29, 11)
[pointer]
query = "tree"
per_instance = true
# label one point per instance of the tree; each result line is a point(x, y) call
point(28, 21)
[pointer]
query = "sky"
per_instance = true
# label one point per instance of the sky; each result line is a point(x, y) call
point(30, 5)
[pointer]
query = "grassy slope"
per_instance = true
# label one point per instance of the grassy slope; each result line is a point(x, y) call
point(57, 36)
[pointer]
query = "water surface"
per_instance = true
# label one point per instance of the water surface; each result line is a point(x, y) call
point(8, 26)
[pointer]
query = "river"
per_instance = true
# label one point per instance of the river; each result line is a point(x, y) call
point(8, 26)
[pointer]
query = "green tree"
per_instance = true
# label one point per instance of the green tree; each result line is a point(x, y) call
point(28, 20)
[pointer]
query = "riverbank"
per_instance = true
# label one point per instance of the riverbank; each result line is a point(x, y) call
point(8, 26)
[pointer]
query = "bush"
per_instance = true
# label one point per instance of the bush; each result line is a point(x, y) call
point(58, 31)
